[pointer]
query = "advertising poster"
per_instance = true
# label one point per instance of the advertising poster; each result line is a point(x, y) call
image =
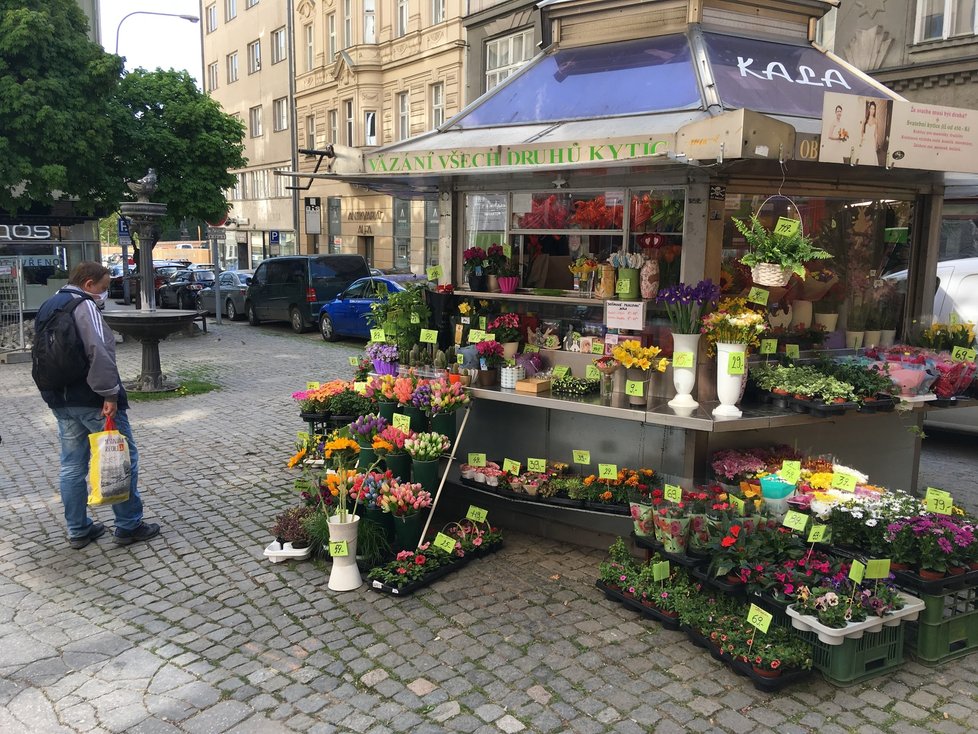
point(934, 138)
point(855, 129)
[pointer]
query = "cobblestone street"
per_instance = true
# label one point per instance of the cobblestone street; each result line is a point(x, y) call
point(195, 631)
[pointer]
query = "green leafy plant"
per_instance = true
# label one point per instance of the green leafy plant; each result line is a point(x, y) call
point(789, 251)
point(349, 402)
point(401, 315)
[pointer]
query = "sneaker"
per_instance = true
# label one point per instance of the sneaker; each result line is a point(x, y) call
point(95, 530)
point(144, 531)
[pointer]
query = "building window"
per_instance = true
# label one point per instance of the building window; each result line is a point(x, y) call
point(212, 74)
point(310, 132)
point(254, 120)
point(348, 117)
point(240, 189)
point(437, 11)
point(370, 128)
point(280, 182)
point(230, 10)
point(403, 116)
point(232, 64)
point(402, 18)
point(331, 36)
point(310, 46)
point(369, 22)
point(250, 3)
point(941, 19)
point(280, 114)
point(279, 47)
point(504, 56)
point(254, 57)
point(211, 13)
point(437, 104)
point(259, 184)
point(347, 23)
point(334, 133)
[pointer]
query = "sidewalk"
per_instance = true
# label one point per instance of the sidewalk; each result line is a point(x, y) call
point(196, 632)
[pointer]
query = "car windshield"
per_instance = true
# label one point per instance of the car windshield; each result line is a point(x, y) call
point(200, 275)
point(334, 266)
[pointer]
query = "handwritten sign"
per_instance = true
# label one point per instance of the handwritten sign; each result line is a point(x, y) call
point(635, 387)
point(460, 358)
point(939, 501)
point(415, 319)
point(354, 362)
point(561, 370)
point(660, 571)
point(857, 572)
point(769, 346)
point(792, 351)
point(399, 420)
point(302, 436)
point(477, 460)
point(625, 314)
point(508, 250)
point(312, 386)
point(683, 360)
point(963, 354)
point(435, 272)
point(759, 296)
point(877, 568)
point(592, 373)
point(607, 471)
point(597, 347)
point(845, 482)
point(536, 465)
point(429, 336)
point(786, 227)
point(738, 504)
point(531, 349)
point(378, 335)
point(790, 471)
point(444, 542)
point(582, 457)
point(735, 363)
point(795, 520)
point(476, 514)
point(817, 533)
point(482, 323)
point(759, 618)
point(360, 387)
point(673, 493)
point(511, 467)
point(476, 335)
point(338, 548)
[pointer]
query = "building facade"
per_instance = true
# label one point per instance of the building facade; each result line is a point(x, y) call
point(247, 69)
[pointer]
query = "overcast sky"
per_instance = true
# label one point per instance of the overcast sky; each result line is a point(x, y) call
point(151, 41)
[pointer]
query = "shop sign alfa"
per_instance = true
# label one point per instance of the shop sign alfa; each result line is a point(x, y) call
point(522, 156)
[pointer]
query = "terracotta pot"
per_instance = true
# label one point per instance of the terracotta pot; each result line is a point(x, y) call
point(955, 570)
point(732, 578)
point(974, 565)
point(899, 566)
point(927, 575)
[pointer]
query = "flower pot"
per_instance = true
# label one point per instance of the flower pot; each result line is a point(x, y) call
point(801, 313)
point(887, 337)
point(675, 532)
point(854, 339)
point(407, 529)
point(928, 575)
point(385, 368)
point(445, 424)
point(510, 349)
point(606, 285)
point(419, 421)
point(399, 464)
point(378, 517)
point(955, 570)
point(425, 473)
point(770, 274)
point(871, 337)
point(453, 378)
point(493, 283)
point(780, 318)
point(345, 575)
point(508, 283)
point(827, 320)
point(509, 376)
point(642, 519)
point(488, 378)
point(684, 378)
point(729, 387)
point(633, 374)
point(649, 279)
point(478, 282)
point(366, 457)
point(385, 409)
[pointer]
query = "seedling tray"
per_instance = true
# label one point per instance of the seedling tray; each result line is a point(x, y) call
point(912, 607)
point(670, 623)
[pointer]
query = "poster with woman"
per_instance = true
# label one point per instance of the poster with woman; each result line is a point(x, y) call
point(855, 129)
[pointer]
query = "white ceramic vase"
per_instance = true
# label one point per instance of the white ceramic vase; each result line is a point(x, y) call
point(729, 387)
point(684, 378)
point(871, 338)
point(801, 313)
point(345, 574)
point(887, 337)
point(828, 320)
point(510, 349)
point(854, 339)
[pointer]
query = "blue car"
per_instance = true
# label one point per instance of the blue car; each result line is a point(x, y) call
point(346, 315)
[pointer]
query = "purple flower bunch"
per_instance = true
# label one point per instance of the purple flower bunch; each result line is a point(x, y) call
point(381, 352)
point(421, 397)
point(732, 465)
point(687, 304)
point(365, 427)
point(933, 541)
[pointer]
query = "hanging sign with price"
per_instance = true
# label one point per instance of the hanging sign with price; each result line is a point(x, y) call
point(963, 354)
point(635, 387)
point(399, 420)
point(444, 542)
point(735, 363)
point(476, 514)
point(429, 336)
point(795, 520)
point(786, 227)
point(790, 471)
point(435, 272)
point(682, 359)
point(673, 493)
point(536, 465)
point(477, 460)
point(759, 618)
point(378, 335)
point(338, 548)
point(582, 457)
point(758, 296)
point(845, 482)
point(607, 471)
point(939, 501)
point(511, 467)
point(769, 346)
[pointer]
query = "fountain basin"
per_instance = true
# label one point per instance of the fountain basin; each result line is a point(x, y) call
point(149, 328)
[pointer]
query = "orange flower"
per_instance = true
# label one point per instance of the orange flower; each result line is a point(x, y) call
point(298, 457)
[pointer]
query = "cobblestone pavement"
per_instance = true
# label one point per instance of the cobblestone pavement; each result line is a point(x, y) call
point(196, 632)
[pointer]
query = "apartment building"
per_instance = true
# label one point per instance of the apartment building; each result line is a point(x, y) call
point(247, 70)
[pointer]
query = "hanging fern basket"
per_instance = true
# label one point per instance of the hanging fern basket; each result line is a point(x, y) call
point(770, 274)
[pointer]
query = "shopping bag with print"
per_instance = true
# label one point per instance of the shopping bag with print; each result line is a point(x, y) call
point(109, 470)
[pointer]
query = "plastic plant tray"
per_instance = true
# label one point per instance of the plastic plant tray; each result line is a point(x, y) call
point(912, 607)
point(276, 553)
point(670, 623)
point(913, 582)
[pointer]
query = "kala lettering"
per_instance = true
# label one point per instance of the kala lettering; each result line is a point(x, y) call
point(806, 75)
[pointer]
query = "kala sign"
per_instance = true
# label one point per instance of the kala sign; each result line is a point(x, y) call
point(520, 156)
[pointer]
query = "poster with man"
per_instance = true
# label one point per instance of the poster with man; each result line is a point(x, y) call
point(855, 129)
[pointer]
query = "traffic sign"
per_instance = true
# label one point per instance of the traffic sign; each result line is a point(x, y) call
point(274, 237)
point(125, 236)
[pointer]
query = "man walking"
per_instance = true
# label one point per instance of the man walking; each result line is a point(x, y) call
point(82, 406)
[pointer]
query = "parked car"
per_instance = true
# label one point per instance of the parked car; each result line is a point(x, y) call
point(295, 288)
point(234, 288)
point(180, 291)
point(346, 315)
point(115, 279)
point(163, 270)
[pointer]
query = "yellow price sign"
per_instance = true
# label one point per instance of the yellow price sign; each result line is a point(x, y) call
point(508, 250)
point(592, 373)
point(378, 335)
point(963, 354)
point(429, 336)
point(531, 349)
point(857, 571)
point(536, 465)
point(607, 471)
point(660, 571)
point(338, 548)
point(435, 272)
point(312, 386)
point(954, 319)
point(476, 335)
point(683, 359)
point(759, 618)
point(845, 482)
point(477, 460)
point(561, 370)
point(790, 471)
point(759, 295)
point(444, 542)
point(460, 358)
point(354, 362)
point(877, 568)
point(769, 346)
point(399, 420)
point(623, 285)
point(792, 351)
point(817, 533)
point(482, 322)
point(476, 514)
point(302, 436)
point(635, 387)
point(736, 364)
point(360, 387)
point(488, 337)
point(738, 504)
point(581, 457)
point(415, 319)
point(786, 227)
point(795, 520)
point(511, 467)
point(673, 493)
point(597, 347)
point(939, 501)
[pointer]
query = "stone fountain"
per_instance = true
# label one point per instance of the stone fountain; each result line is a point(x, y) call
point(147, 325)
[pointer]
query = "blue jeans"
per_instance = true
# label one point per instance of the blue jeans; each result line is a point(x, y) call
point(75, 424)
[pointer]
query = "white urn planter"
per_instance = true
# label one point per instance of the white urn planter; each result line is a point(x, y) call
point(730, 386)
point(684, 378)
point(345, 574)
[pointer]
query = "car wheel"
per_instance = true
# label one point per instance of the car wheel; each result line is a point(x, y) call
point(183, 302)
point(252, 316)
point(231, 310)
point(326, 328)
point(295, 318)
point(201, 306)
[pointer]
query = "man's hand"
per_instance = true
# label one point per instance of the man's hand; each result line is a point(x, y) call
point(109, 408)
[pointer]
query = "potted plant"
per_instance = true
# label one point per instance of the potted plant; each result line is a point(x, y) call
point(490, 353)
point(445, 399)
point(383, 356)
point(685, 306)
point(732, 330)
point(508, 275)
point(638, 362)
point(773, 257)
point(505, 328)
point(495, 260)
point(474, 263)
point(401, 315)
point(408, 504)
point(291, 537)
point(345, 406)
point(425, 450)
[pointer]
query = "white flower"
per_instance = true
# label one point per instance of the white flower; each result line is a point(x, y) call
point(871, 522)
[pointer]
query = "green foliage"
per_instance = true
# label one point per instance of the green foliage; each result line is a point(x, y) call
point(789, 251)
point(393, 314)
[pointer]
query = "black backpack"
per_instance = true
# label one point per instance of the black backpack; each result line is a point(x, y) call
point(58, 354)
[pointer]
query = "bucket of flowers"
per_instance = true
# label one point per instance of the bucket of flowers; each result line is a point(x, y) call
point(384, 357)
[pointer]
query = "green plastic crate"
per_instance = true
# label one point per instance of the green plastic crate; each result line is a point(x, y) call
point(873, 654)
point(933, 644)
point(944, 607)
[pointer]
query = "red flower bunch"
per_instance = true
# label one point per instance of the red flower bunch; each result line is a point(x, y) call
point(732, 536)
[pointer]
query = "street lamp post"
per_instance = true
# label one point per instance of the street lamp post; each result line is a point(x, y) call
point(191, 18)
